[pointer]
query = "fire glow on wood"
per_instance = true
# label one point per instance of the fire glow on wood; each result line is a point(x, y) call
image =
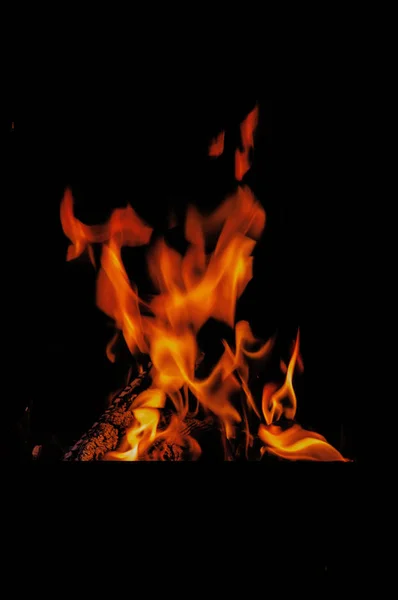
point(191, 289)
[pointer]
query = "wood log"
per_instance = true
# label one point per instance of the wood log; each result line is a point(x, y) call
point(195, 428)
point(106, 434)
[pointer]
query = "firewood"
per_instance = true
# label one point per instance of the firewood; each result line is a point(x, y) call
point(106, 434)
point(177, 451)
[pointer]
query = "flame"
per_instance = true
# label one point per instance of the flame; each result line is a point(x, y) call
point(273, 408)
point(124, 226)
point(242, 159)
point(203, 283)
point(144, 433)
point(216, 147)
point(117, 298)
point(294, 443)
point(196, 287)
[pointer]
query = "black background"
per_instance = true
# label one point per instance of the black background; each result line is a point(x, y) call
point(140, 135)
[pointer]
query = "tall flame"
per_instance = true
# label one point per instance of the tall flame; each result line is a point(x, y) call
point(191, 289)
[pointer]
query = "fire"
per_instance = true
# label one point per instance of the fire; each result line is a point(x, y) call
point(191, 289)
point(242, 158)
point(216, 147)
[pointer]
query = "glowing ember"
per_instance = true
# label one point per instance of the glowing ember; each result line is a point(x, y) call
point(191, 289)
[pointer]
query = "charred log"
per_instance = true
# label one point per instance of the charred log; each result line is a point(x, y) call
point(203, 431)
point(107, 433)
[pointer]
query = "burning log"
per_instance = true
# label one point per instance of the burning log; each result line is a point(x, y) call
point(106, 434)
point(176, 451)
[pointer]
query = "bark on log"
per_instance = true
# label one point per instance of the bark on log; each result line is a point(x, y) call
point(106, 434)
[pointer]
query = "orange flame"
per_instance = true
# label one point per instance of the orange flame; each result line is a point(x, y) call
point(124, 225)
point(117, 298)
point(242, 159)
point(273, 408)
point(143, 434)
point(295, 443)
point(191, 289)
point(115, 294)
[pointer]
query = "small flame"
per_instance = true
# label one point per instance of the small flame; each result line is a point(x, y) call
point(216, 147)
point(273, 408)
point(191, 289)
point(242, 159)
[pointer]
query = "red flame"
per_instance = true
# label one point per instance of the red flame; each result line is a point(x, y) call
point(216, 147)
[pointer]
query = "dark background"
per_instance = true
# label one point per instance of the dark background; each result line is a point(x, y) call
point(142, 138)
